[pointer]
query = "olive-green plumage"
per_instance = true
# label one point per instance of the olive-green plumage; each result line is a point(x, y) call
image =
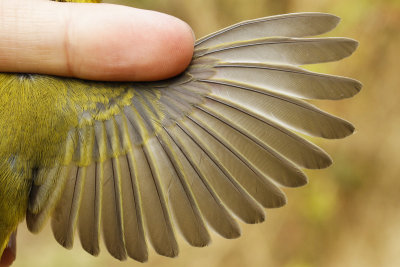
point(136, 161)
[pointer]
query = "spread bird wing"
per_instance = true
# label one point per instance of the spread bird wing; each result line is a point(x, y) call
point(216, 143)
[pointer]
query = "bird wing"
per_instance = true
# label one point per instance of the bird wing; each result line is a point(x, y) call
point(194, 152)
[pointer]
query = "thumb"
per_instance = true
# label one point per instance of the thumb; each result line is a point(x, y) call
point(92, 41)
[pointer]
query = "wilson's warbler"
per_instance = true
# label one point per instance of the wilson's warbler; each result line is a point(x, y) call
point(141, 161)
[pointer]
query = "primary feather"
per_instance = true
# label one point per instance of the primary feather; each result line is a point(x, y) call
point(141, 162)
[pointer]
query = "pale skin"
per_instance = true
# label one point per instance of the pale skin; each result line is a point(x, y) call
point(90, 41)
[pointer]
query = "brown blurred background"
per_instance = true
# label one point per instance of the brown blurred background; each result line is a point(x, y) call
point(349, 214)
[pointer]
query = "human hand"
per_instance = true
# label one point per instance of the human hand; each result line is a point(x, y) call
point(92, 41)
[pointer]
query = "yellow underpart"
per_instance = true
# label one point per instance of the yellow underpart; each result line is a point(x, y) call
point(35, 118)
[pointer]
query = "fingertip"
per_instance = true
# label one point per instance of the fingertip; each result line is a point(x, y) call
point(136, 45)
point(176, 49)
point(166, 50)
point(168, 47)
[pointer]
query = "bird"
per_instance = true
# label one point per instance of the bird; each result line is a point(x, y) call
point(138, 163)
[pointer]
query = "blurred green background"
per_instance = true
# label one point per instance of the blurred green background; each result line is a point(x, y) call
point(349, 214)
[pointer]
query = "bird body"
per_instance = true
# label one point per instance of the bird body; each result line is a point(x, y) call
point(139, 161)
